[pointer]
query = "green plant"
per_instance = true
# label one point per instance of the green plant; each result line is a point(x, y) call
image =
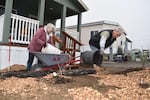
point(143, 59)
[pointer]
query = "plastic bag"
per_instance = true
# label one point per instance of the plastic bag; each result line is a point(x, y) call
point(51, 49)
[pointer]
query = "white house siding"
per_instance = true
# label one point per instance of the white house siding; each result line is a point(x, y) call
point(73, 33)
point(1, 26)
point(18, 55)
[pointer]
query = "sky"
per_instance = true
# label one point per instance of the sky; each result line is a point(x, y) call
point(132, 15)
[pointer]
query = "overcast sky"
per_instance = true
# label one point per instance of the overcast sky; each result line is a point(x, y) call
point(132, 15)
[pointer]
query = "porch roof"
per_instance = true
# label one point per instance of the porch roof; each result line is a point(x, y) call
point(29, 8)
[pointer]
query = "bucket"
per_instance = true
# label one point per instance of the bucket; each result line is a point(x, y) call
point(92, 57)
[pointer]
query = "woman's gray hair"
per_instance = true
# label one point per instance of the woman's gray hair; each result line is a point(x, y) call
point(51, 26)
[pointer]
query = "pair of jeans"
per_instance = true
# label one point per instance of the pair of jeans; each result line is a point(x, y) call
point(30, 61)
point(94, 48)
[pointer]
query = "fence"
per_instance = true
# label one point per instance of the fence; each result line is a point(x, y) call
point(22, 29)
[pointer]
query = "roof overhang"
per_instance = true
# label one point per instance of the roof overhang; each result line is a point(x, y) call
point(128, 39)
point(53, 8)
point(83, 5)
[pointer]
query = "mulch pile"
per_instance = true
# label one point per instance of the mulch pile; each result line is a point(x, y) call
point(133, 85)
point(13, 68)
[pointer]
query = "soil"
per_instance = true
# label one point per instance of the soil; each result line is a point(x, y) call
point(115, 81)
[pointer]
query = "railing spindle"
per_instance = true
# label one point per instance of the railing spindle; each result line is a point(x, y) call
point(16, 29)
point(23, 29)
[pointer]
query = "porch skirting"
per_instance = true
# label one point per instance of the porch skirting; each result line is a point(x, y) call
point(10, 55)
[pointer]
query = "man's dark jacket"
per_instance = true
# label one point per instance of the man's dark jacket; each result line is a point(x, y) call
point(95, 40)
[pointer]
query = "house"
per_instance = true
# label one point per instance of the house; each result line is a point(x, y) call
point(146, 53)
point(89, 29)
point(135, 54)
point(19, 20)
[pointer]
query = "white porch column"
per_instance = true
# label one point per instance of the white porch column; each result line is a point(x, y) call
point(111, 53)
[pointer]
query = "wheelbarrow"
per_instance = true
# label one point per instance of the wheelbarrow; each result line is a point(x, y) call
point(50, 61)
point(60, 61)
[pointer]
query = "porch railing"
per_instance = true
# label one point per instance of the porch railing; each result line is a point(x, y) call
point(70, 44)
point(22, 29)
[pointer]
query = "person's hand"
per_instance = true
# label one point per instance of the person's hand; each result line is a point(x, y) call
point(102, 51)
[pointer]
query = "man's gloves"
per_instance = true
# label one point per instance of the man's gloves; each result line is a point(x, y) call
point(102, 51)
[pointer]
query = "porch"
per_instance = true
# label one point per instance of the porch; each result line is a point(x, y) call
point(21, 33)
point(44, 11)
point(20, 19)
